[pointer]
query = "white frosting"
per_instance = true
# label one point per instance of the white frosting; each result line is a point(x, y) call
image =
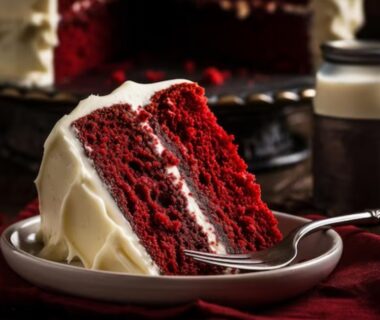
point(348, 91)
point(334, 20)
point(79, 218)
point(28, 35)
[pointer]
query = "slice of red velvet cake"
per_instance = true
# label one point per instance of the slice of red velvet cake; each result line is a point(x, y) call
point(130, 180)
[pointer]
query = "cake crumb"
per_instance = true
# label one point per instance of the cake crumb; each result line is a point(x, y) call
point(214, 76)
point(155, 75)
point(189, 66)
point(119, 76)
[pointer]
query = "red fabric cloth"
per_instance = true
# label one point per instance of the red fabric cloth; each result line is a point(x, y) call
point(351, 292)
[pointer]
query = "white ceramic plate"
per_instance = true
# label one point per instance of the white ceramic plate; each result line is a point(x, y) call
point(318, 256)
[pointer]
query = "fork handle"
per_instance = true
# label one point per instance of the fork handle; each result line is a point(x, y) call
point(368, 216)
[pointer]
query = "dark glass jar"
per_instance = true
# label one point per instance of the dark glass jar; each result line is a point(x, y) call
point(346, 142)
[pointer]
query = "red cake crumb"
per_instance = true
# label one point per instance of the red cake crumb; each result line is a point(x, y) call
point(189, 66)
point(119, 76)
point(155, 75)
point(214, 76)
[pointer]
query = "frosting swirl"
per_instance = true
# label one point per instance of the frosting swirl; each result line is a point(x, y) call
point(28, 36)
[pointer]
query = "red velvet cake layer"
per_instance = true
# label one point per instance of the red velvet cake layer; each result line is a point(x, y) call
point(214, 169)
point(122, 146)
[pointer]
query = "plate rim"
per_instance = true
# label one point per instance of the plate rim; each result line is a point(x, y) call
point(6, 242)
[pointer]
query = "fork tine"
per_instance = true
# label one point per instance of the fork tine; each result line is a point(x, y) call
point(228, 259)
point(209, 254)
point(223, 257)
point(252, 267)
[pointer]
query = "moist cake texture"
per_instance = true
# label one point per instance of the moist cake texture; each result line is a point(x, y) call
point(145, 173)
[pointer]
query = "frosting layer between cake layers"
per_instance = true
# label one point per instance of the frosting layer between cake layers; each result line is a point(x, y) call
point(79, 218)
point(28, 36)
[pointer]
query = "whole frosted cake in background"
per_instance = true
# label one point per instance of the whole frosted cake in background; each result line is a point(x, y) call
point(46, 42)
point(43, 42)
point(131, 179)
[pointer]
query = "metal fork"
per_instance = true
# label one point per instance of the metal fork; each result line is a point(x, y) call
point(285, 251)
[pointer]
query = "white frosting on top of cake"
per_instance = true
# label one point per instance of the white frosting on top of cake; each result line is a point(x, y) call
point(28, 35)
point(334, 20)
point(79, 218)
